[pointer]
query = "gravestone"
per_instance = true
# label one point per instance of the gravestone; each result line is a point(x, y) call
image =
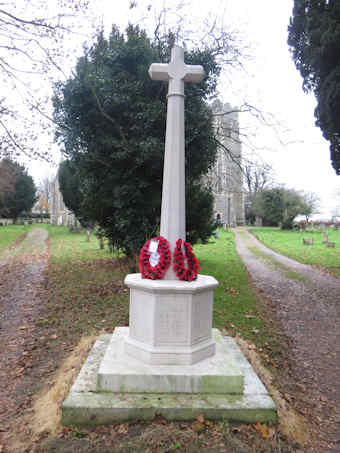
point(324, 237)
point(307, 241)
point(169, 361)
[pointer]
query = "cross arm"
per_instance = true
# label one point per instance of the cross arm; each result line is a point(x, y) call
point(194, 73)
point(159, 71)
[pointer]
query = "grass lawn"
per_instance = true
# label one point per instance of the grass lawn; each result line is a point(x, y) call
point(87, 294)
point(10, 234)
point(289, 243)
point(69, 247)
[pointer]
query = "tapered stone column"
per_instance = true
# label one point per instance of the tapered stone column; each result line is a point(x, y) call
point(173, 192)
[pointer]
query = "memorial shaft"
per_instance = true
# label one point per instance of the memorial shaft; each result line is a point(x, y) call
point(173, 191)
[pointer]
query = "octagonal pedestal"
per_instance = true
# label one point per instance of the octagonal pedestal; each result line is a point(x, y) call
point(170, 320)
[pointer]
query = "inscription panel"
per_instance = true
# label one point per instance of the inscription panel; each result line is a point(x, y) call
point(201, 317)
point(172, 321)
point(141, 316)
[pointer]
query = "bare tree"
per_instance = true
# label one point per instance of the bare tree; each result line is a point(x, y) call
point(258, 176)
point(45, 188)
point(312, 204)
point(32, 33)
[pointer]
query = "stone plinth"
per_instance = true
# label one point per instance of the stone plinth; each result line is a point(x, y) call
point(119, 373)
point(170, 320)
point(85, 405)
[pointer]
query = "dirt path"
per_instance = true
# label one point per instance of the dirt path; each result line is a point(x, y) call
point(21, 277)
point(306, 303)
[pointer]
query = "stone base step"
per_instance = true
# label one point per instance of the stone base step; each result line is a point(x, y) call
point(86, 406)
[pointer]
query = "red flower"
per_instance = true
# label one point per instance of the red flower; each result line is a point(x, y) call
point(158, 271)
point(182, 273)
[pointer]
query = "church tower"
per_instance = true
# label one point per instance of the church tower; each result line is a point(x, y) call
point(226, 178)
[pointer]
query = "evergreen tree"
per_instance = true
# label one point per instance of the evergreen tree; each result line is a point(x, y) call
point(19, 194)
point(314, 37)
point(70, 187)
point(112, 119)
point(279, 206)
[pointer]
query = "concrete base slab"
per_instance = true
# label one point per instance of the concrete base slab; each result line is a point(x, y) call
point(86, 406)
point(119, 372)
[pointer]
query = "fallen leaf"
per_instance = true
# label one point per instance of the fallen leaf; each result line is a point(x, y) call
point(200, 418)
point(264, 430)
point(123, 429)
point(198, 427)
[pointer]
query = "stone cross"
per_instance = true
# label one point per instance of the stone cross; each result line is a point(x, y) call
point(173, 193)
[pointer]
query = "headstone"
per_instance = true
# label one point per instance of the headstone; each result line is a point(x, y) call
point(324, 237)
point(307, 241)
point(331, 244)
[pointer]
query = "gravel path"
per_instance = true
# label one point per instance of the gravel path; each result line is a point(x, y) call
point(21, 276)
point(306, 302)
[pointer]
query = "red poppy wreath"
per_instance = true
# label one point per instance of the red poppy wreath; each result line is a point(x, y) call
point(189, 274)
point(157, 271)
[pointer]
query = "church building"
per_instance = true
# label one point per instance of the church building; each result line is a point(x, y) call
point(59, 214)
point(226, 178)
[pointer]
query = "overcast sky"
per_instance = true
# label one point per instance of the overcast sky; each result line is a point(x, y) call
point(295, 148)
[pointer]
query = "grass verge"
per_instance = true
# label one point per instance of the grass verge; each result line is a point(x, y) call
point(272, 263)
point(10, 234)
point(85, 291)
point(289, 243)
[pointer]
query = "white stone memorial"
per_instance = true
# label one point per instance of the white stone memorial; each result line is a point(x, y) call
point(170, 319)
point(169, 361)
